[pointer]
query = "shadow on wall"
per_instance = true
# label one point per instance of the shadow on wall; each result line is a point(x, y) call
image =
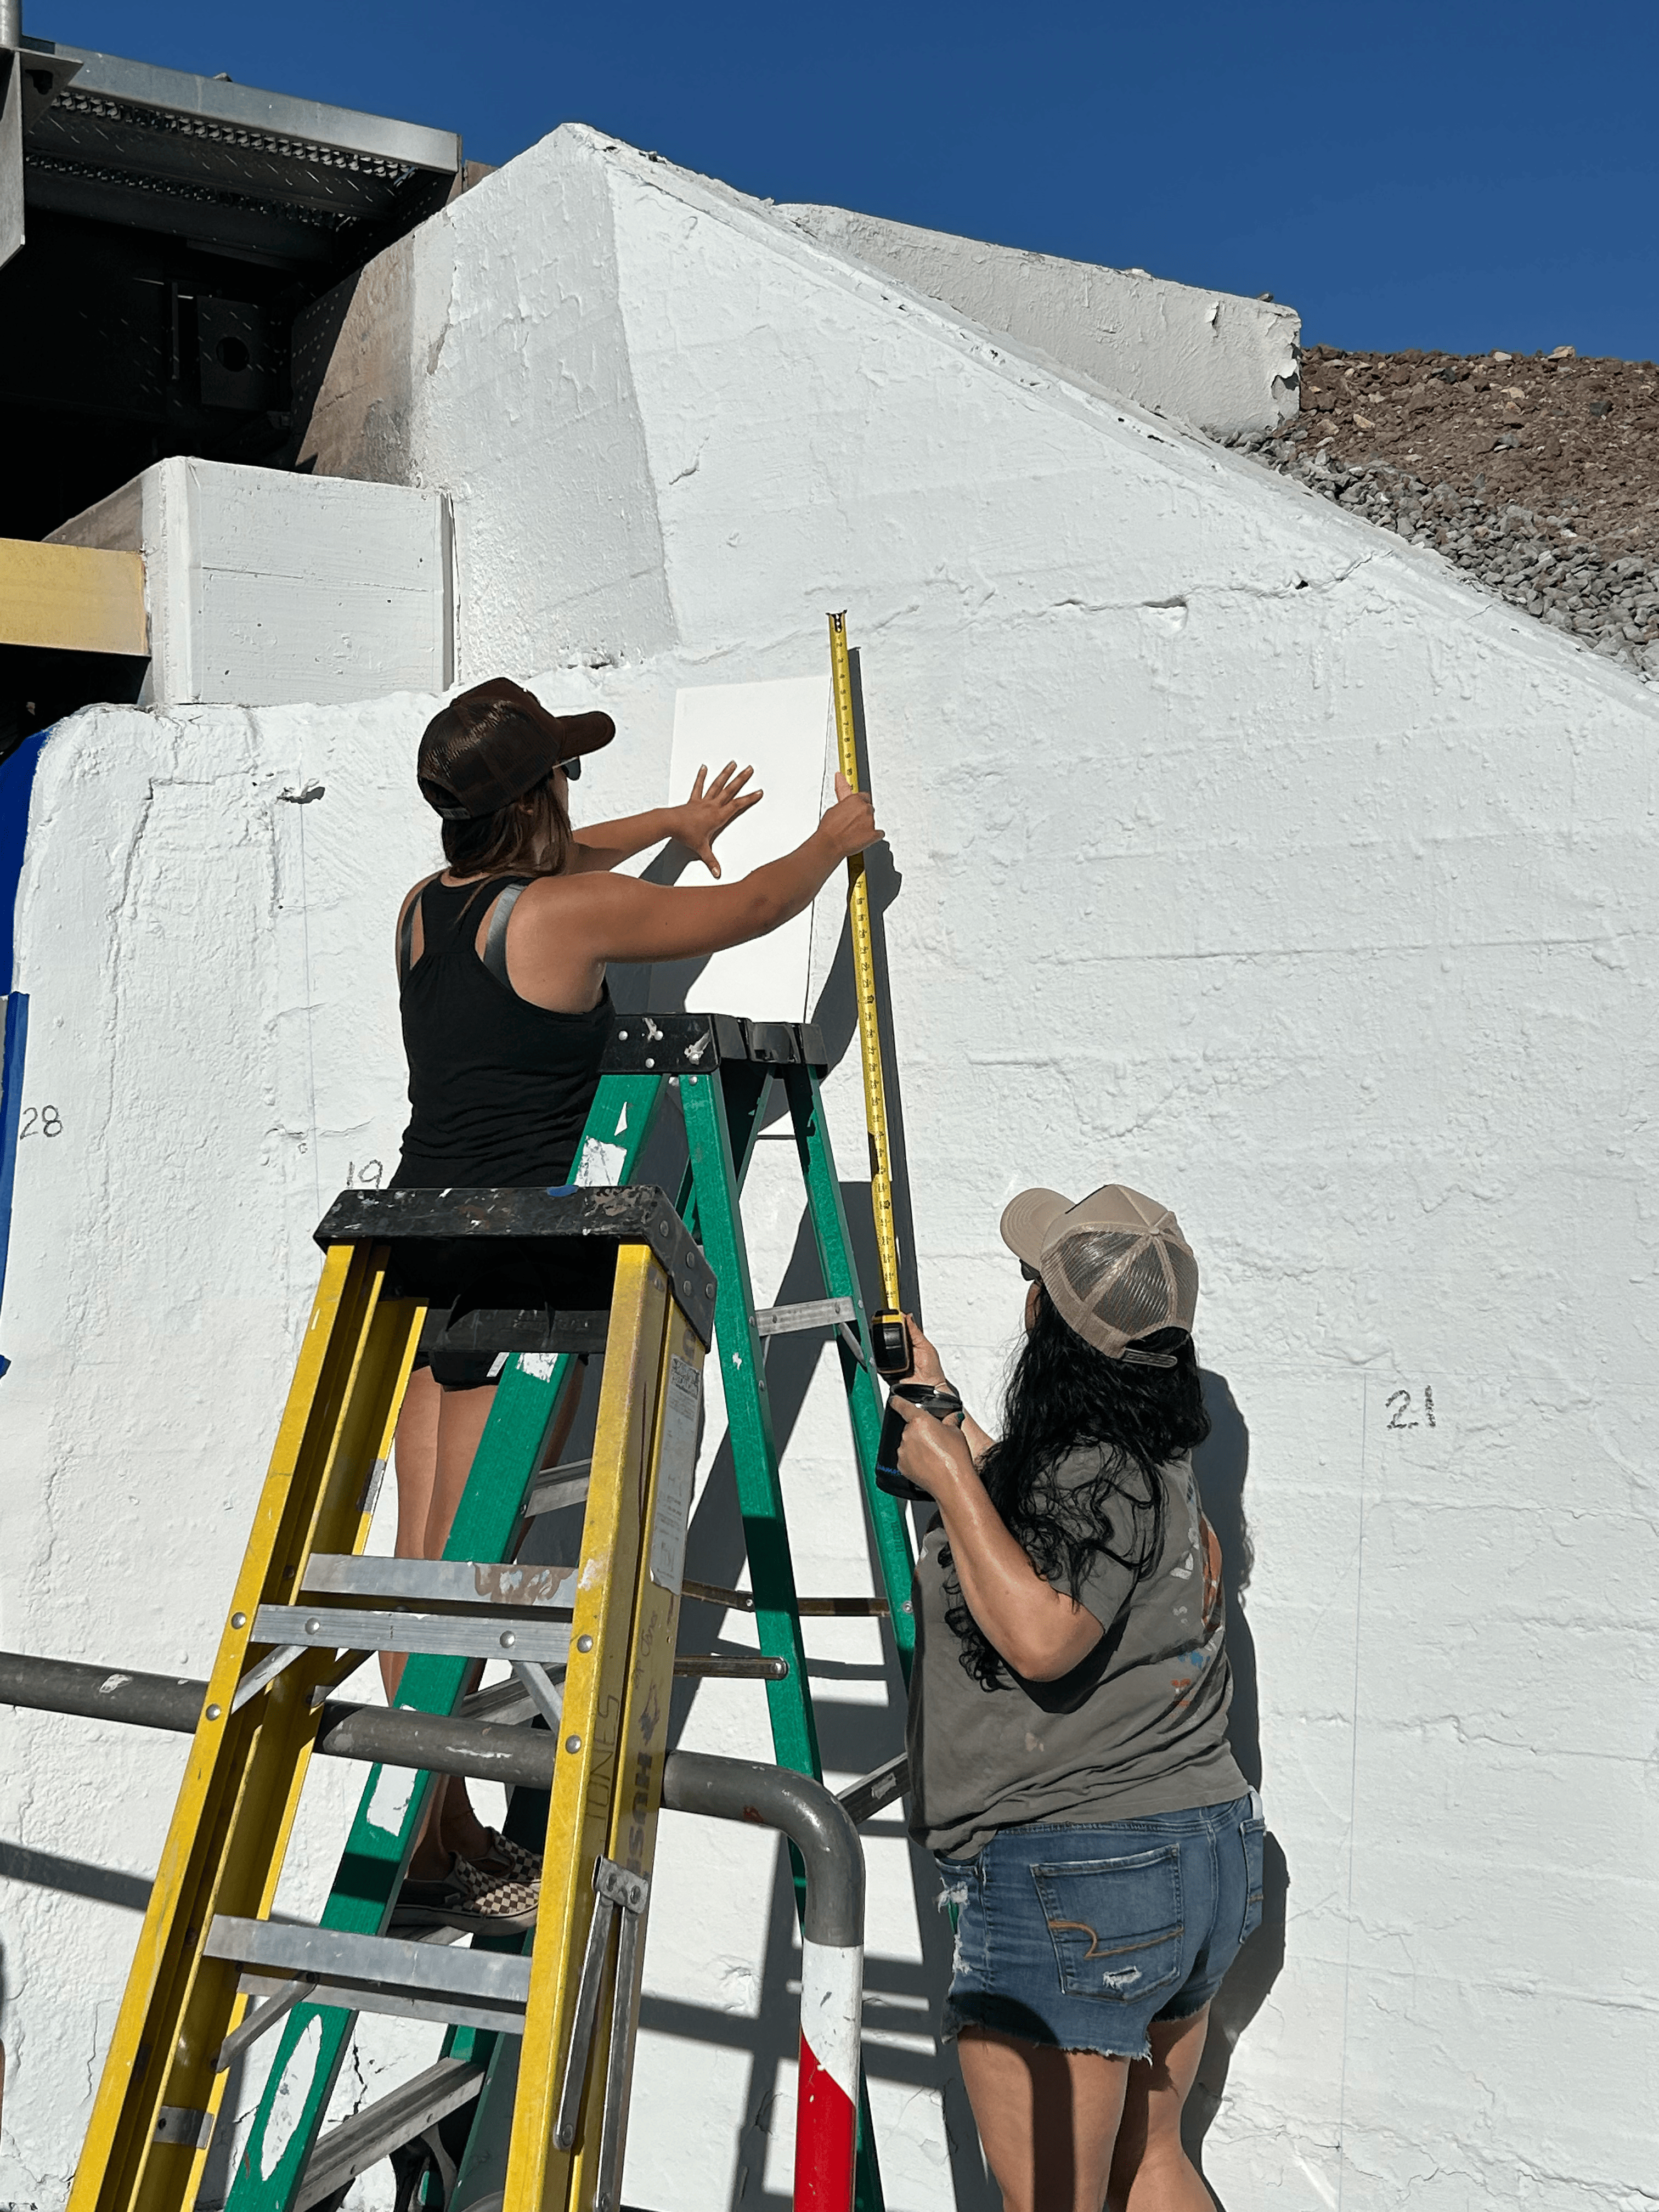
point(128, 1893)
point(661, 989)
point(74, 1877)
point(1221, 1465)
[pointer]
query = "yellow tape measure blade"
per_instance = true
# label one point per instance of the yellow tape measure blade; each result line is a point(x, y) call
point(864, 973)
point(841, 685)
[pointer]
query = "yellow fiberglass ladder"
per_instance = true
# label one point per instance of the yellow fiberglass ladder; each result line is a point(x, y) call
point(618, 1271)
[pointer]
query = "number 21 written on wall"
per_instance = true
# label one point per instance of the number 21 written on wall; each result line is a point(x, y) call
point(1400, 1415)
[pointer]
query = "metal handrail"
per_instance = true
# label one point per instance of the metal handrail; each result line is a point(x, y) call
point(816, 1823)
point(518, 1757)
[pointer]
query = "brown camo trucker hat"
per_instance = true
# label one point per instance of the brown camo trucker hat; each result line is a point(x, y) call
point(1116, 1264)
point(491, 744)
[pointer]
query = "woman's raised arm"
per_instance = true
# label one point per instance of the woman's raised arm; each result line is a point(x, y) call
point(618, 918)
point(604, 845)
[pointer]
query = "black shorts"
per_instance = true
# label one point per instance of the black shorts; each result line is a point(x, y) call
point(463, 1370)
point(469, 1370)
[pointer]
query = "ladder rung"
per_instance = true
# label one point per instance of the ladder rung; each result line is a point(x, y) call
point(814, 1313)
point(440, 1582)
point(558, 1486)
point(383, 2127)
point(509, 1702)
point(809, 1609)
point(502, 1704)
point(879, 1787)
point(503, 1634)
point(384, 1973)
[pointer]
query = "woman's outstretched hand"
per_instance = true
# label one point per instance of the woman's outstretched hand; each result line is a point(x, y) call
point(931, 1454)
point(849, 825)
point(706, 813)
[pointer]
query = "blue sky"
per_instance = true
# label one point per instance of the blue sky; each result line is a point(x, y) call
point(1463, 176)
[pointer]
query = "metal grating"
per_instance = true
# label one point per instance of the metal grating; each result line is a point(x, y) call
point(228, 166)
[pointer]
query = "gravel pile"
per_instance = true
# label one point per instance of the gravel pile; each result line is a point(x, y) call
point(1537, 475)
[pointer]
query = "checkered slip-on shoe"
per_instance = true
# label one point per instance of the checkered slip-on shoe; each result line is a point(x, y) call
point(509, 1859)
point(470, 1896)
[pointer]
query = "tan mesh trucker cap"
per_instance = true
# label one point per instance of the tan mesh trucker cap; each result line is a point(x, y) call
point(1115, 1265)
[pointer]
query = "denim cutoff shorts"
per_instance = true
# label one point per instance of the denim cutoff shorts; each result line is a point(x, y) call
point(1082, 1937)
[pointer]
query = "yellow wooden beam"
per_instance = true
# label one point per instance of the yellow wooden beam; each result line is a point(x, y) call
point(71, 598)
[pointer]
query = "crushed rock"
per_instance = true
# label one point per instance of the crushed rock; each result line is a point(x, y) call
point(1536, 475)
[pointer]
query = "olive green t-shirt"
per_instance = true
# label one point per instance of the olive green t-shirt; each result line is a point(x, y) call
point(1138, 1726)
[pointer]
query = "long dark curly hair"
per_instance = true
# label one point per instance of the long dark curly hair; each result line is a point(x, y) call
point(1061, 1395)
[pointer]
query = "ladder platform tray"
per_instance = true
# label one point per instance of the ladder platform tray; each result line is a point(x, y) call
point(560, 1245)
point(697, 1044)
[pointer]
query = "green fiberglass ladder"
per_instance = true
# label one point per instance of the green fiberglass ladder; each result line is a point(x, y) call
point(723, 1072)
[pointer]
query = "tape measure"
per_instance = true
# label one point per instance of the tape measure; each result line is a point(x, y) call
point(889, 1335)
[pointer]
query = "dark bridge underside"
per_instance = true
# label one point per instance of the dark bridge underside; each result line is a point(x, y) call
point(174, 225)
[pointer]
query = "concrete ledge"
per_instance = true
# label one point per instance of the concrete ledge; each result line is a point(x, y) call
point(1212, 359)
point(269, 589)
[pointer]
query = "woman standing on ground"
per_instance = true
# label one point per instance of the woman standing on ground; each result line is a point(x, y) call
point(1068, 1720)
point(501, 974)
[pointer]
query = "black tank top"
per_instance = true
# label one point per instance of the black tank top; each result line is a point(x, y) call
point(499, 1088)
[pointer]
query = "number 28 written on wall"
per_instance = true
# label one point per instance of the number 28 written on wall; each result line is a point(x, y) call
point(40, 1122)
point(1402, 1414)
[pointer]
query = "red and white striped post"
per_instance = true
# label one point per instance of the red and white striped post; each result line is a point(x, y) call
point(827, 2103)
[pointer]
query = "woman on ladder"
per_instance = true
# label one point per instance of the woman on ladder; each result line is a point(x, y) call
point(502, 962)
point(1067, 1734)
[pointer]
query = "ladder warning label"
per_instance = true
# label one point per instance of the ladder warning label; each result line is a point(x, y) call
point(676, 1473)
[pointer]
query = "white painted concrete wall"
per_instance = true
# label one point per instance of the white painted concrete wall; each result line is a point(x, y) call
point(1215, 359)
point(265, 589)
point(1244, 855)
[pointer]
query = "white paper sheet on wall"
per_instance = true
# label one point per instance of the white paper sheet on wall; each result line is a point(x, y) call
point(783, 730)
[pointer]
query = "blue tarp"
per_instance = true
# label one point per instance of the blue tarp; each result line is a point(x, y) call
point(16, 781)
